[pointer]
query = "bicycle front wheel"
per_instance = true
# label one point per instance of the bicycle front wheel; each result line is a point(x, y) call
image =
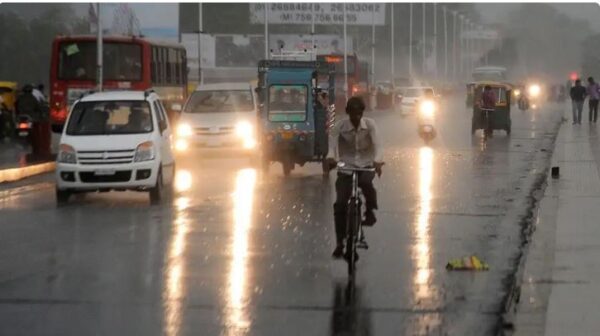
point(352, 219)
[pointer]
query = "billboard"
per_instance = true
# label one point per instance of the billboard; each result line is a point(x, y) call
point(324, 13)
point(325, 44)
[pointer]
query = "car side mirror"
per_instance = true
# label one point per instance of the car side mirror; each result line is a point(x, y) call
point(176, 107)
point(56, 128)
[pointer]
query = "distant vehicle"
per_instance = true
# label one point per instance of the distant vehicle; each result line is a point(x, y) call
point(355, 77)
point(411, 96)
point(130, 63)
point(489, 73)
point(219, 116)
point(116, 140)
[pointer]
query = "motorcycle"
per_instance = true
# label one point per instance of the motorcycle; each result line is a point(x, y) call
point(24, 127)
point(426, 120)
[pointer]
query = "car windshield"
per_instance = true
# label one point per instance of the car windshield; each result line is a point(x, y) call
point(220, 101)
point(411, 93)
point(110, 117)
point(287, 102)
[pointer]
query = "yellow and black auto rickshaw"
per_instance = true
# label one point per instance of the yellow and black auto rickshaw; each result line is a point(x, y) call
point(499, 119)
point(8, 98)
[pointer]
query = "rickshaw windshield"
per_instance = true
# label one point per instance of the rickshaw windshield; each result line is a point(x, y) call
point(287, 102)
point(500, 92)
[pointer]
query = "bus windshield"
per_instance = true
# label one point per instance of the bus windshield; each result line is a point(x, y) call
point(121, 62)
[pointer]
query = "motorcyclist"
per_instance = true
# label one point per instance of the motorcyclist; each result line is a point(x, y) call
point(355, 141)
point(27, 104)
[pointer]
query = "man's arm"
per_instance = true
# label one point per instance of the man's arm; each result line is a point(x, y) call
point(376, 140)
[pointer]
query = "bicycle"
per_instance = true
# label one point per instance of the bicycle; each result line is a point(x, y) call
point(355, 237)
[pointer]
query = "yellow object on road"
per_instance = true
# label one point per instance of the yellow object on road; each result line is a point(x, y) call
point(472, 263)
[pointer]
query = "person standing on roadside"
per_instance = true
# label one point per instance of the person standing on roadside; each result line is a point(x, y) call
point(593, 91)
point(578, 93)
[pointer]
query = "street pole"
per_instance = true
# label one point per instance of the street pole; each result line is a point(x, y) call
point(200, 29)
point(373, 46)
point(410, 42)
point(99, 52)
point(345, 56)
point(266, 30)
point(312, 30)
point(460, 49)
point(454, 52)
point(392, 52)
point(445, 43)
point(435, 58)
point(424, 42)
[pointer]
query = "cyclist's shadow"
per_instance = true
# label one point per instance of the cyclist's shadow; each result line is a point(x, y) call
point(349, 316)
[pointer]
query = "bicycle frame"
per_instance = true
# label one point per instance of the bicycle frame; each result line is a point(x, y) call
point(353, 218)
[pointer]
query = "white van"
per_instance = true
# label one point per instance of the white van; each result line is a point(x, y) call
point(221, 116)
point(116, 141)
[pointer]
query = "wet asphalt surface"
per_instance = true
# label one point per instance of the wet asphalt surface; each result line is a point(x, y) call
point(242, 253)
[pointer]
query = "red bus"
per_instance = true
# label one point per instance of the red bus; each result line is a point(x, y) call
point(129, 63)
point(354, 77)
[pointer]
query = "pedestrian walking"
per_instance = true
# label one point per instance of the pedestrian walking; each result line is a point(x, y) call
point(593, 91)
point(578, 93)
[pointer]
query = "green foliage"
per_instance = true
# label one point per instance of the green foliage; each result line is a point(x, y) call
point(26, 42)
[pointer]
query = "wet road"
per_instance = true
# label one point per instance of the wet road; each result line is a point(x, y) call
point(245, 254)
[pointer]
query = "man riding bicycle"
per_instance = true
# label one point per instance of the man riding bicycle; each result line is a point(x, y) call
point(356, 142)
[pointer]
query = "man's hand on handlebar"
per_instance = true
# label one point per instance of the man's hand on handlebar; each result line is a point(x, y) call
point(378, 166)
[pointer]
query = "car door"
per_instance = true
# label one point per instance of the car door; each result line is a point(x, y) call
point(168, 162)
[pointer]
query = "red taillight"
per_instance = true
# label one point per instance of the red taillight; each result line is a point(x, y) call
point(23, 125)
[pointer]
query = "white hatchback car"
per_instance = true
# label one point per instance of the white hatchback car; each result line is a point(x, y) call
point(117, 140)
point(219, 116)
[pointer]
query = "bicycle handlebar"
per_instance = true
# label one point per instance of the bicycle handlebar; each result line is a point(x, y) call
point(353, 169)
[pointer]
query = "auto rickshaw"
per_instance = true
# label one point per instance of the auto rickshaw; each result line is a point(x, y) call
point(293, 124)
point(8, 94)
point(500, 118)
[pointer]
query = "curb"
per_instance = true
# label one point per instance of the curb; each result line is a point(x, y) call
point(16, 174)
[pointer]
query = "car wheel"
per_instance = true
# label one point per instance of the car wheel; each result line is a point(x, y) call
point(62, 197)
point(157, 192)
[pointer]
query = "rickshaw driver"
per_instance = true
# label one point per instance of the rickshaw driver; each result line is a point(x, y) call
point(356, 142)
point(488, 102)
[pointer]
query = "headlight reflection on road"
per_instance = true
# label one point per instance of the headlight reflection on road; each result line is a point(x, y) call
point(243, 199)
point(422, 252)
point(183, 180)
point(174, 293)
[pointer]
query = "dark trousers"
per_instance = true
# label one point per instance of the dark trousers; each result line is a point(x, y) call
point(343, 188)
point(593, 110)
point(40, 139)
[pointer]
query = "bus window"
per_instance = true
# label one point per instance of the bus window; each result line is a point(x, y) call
point(177, 67)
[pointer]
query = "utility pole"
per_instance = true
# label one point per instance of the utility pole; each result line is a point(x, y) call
point(435, 58)
point(200, 31)
point(454, 52)
point(312, 30)
point(445, 43)
point(345, 56)
point(373, 46)
point(410, 42)
point(266, 4)
point(99, 52)
point(393, 53)
point(423, 65)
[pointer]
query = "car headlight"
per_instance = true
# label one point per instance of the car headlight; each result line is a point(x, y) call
point(144, 152)
point(244, 129)
point(67, 154)
point(534, 90)
point(181, 145)
point(517, 93)
point(427, 108)
point(184, 130)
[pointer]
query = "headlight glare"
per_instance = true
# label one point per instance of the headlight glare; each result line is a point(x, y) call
point(427, 108)
point(244, 129)
point(534, 90)
point(184, 130)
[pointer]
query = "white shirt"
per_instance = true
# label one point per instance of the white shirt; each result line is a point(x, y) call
point(356, 147)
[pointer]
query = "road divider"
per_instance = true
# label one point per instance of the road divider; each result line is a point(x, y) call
point(19, 173)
